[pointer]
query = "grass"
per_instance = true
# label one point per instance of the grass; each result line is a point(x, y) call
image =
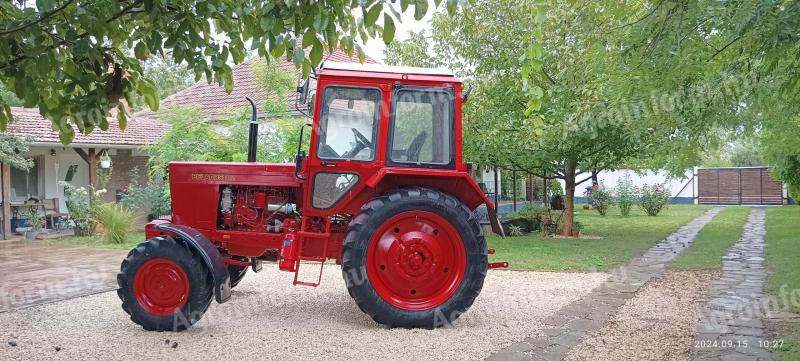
point(782, 255)
point(131, 240)
point(714, 240)
point(623, 239)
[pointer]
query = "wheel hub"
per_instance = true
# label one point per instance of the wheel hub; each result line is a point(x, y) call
point(416, 260)
point(161, 286)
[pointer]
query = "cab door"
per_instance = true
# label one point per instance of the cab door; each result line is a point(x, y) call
point(345, 143)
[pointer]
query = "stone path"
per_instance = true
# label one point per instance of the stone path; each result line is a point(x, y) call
point(565, 329)
point(33, 272)
point(731, 325)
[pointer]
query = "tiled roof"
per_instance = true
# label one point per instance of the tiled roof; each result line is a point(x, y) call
point(215, 103)
point(28, 123)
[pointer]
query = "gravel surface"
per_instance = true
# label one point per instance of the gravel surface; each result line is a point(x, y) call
point(269, 318)
point(659, 323)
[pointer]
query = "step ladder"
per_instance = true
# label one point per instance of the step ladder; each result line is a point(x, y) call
point(303, 236)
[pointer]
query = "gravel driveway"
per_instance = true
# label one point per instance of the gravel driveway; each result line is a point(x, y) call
point(269, 318)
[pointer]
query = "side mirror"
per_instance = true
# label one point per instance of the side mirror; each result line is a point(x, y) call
point(465, 94)
point(302, 90)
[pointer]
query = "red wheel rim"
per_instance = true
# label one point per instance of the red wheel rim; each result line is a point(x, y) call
point(416, 260)
point(161, 287)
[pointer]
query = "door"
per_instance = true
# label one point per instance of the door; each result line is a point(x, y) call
point(344, 144)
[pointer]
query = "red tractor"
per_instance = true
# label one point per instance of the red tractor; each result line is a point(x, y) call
point(384, 192)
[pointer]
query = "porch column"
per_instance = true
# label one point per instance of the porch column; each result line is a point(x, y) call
point(91, 159)
point(6, 190)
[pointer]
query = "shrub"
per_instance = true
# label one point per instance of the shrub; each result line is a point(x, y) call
point(653, 198)
point(82, 204)
point(600, 199)
point(529, 219)
point(152, 198)
point(514, 230)
point(34, 217)
point(117, 221)
point(625, 195)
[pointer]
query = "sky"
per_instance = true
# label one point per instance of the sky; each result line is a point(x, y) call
point(374, 47)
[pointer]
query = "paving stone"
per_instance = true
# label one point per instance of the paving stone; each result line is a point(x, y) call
point(734, 313)
point(589, 314)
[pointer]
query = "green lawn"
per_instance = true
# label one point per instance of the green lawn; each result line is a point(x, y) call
point(714, 240)
point(623, 239)
point(133, 239)
point(783, 255)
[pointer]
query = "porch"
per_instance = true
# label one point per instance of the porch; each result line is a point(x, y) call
point(77, 164)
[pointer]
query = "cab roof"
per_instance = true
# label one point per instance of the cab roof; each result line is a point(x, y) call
point(386, 71)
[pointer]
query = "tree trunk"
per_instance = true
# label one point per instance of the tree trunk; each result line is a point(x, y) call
point(569, 199)
point(595, 181)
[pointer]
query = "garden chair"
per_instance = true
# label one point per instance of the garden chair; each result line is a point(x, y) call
point(52, 212)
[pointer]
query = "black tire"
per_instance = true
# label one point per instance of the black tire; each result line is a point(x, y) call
point(236, 273)
point(367, 222)
point(197, 274)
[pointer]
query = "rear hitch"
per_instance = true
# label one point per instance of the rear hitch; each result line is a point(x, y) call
point(496, 264)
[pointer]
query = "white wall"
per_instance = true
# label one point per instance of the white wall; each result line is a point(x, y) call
point(674, 184)
point(487, 177)
point(55, 169)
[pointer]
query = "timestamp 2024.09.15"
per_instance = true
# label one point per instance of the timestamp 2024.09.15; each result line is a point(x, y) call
point(734, 343)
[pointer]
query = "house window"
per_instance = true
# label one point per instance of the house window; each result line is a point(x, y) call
point(25, 184)
point(422, 126)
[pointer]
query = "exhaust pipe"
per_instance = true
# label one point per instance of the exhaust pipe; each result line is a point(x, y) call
point(252, 137)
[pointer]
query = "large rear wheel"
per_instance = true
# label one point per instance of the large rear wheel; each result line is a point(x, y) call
point(415, 257)
point(163, 285)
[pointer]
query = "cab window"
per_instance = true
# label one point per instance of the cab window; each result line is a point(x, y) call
point(348, 125)
point(422, 127)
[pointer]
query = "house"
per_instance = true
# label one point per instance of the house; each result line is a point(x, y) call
point(76, 163)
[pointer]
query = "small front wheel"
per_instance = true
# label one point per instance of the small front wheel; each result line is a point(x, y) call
point(163, 285)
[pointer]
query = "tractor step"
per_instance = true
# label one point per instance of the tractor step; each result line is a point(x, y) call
point(321, 262)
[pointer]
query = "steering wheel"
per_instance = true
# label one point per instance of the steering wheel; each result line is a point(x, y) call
point(361, 138)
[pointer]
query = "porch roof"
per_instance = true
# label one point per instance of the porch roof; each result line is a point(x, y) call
point(28, 123)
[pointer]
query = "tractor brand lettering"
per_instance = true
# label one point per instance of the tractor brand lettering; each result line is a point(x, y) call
point(212, 177)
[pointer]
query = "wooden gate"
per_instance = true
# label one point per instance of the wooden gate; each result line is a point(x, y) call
point(738, 186)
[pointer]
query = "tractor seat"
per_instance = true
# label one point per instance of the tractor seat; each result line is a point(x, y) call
point(415, 148)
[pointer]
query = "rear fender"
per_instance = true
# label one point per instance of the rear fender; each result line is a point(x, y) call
point(208, 253)
point(459, 184)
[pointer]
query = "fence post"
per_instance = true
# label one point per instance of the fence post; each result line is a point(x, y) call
point(496, 188)
point(514, 188)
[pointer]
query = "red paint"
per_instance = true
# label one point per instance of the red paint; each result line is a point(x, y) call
point(161, 287)
point(416, 260)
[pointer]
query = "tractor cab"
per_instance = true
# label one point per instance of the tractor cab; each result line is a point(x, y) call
point(373, 120)
point(383, 191)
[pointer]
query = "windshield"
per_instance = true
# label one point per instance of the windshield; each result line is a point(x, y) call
point(348, 123)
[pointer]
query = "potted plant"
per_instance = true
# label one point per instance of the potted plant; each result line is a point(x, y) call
point(105, 161)
point(576, 229)
point(35, 220)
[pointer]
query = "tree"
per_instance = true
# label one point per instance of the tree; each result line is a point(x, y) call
point(9, 96)
point(413, 51)
point(560, 118)
point(168, 77)
point(12, 152)
point(750, 46)
point(72, 58)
